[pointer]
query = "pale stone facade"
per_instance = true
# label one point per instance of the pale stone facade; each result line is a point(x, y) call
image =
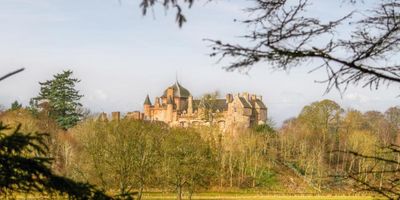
point(177, 107)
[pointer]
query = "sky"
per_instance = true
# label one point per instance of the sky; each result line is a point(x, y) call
point(121, 56)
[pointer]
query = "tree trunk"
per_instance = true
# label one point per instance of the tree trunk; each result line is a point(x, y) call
point(230, 170)
point(140, 193)
point(190, 195)
point(179, 192)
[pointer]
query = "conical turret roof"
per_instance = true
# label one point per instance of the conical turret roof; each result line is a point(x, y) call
point(147, 101)
point(179, 90)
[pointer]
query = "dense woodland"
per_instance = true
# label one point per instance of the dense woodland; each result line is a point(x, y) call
point(309, 153)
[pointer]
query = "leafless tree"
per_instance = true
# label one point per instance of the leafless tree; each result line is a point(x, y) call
point(283, 34)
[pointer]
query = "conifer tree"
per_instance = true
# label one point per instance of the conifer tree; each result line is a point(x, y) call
point(59, 98)
point(16, 105)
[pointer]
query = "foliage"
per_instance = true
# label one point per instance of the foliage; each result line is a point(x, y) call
point(208, 105)
point(322, 116)
point(180, 18)
point(60, 100)
point(264, 128)
point(117, 154)
point(43, 124)
point(311, 152)
point(188, 159)
point(323, 141)
point(267, 179)
point(24, 168)
point(15, 105)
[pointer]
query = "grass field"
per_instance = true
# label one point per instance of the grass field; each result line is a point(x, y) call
point(228, 196)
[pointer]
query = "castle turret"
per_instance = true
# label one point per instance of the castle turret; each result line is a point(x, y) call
point(229, 98)
point(146, 107)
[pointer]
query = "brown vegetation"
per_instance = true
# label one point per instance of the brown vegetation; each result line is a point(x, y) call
point(312, 153)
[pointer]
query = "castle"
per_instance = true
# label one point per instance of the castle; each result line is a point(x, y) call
point(177, 107)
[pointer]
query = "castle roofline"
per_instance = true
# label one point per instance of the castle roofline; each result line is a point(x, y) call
point(179, 91)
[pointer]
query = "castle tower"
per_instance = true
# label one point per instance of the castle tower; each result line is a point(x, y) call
point(146, 107)
point(116, 116)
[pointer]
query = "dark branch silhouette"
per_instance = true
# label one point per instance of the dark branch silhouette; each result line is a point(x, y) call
point(11, 74)
point(24, 168)
point(382, 176)
point(283, 34)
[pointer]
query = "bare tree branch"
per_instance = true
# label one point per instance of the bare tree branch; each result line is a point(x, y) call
point(11, 74)
point(283, 34)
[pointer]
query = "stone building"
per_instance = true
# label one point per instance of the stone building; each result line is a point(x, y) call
point(177, 107)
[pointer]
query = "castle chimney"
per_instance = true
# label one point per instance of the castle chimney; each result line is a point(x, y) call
point(170, 92)
point(170, 110)
point(246, 95)
point(190, 105)
point(157, 102)
point(253, 97)
point(115, 116)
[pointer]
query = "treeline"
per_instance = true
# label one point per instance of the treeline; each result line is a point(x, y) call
point(326, 144)
point(313, 152)
point(324, 149)
point(128, 156)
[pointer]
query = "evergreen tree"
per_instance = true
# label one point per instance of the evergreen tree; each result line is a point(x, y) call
point(16, 105)
point(59, 98)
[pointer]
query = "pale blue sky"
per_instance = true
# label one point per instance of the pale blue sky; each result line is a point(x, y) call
point(121, 56)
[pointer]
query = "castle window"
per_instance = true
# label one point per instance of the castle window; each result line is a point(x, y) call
point(234, 109)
